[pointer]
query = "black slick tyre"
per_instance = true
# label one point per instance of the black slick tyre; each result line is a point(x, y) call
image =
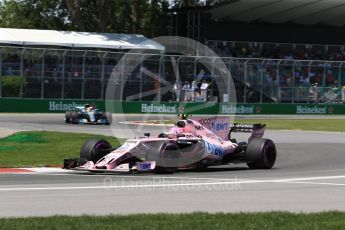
point(261, 153)
point(167, 156)
point(68, 116)
point(74, 117)
point(95, 149)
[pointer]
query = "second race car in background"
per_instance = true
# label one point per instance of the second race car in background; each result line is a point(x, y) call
point(87, 114)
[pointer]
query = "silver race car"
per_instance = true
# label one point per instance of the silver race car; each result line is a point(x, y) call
point(87, 114)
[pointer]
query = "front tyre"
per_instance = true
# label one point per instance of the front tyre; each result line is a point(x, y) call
point(169, 155)
point(68, 116)
point(261, 153)
point(95, 149)
point(75, 117)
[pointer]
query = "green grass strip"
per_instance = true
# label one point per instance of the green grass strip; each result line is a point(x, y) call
point(332, 125)
point(265, 220)
point(36, 149)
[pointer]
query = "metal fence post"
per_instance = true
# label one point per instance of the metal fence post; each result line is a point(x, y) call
point(42, 73)
point(339, 75)
point(278, 82)
point(103, 74)
point(229, 68)
point(161, 70)
point(229, 81)
point(122, 76)
point(177, 74)
point(309, 69)
point(63, 75)
point(141, 78)
point(293, 82)
point(83, 77)
point(324, 74)
point(21, 72)
point(211, 90)
point(262, 81)
point(245, 81)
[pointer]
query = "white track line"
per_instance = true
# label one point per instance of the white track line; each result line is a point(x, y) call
point(309, 178)
point(141, 186)
point(197, 178)
point(174, 185)
point(314, 183)
point(142, 177)
point(46, 170)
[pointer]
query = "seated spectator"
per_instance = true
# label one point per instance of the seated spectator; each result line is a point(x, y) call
point(279, 51)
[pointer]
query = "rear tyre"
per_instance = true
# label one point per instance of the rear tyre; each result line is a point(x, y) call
point(68, 116)
point(74, 117)
point(261, 153)
point(109, 117)
point(95, 149)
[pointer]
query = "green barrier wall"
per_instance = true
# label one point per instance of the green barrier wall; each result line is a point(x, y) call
point(42, 105)
point(55, 106)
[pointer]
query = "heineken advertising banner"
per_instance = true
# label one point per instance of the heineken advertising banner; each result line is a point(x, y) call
point(43, 105)
point(60, 106)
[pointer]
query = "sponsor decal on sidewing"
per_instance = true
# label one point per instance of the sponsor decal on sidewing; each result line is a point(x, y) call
point(214, 149)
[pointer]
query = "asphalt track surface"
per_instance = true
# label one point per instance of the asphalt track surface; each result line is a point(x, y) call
point(309, 176)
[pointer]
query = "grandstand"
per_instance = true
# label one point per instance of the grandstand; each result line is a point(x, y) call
point(279, 51)
point(296, 70)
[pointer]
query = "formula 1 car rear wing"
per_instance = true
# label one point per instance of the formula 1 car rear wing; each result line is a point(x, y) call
point(222, 127)
point(257, 130)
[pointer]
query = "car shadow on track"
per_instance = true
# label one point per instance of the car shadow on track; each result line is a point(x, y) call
point(208, 170)
point(215, 169)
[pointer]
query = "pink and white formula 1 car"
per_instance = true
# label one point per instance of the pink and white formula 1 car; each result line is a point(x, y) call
point(191, 143)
